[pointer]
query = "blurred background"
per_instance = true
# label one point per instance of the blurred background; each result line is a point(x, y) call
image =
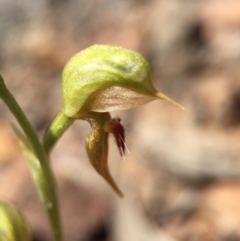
point(181, 177)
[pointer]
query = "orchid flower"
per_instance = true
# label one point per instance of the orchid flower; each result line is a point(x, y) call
point(95, 81)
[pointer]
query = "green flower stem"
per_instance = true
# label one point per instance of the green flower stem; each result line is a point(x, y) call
point(45, 187)
point(55, 130)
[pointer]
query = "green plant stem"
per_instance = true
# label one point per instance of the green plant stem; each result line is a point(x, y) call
point(48, 196)
point(55, 130)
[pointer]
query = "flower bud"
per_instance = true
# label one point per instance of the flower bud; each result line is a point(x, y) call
point(13, 226)
point(104, 78)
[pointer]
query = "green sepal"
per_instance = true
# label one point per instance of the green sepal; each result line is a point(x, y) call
point(105, 78)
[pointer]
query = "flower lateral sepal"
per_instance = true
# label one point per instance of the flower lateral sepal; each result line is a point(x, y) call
point(96, 146)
